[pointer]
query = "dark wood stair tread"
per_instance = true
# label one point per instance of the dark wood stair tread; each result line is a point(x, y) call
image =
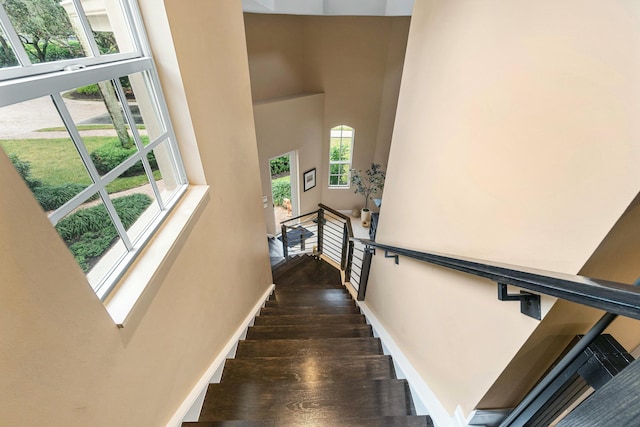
point(306, 269)
point(265, 332)
point(308, 348)
point(306, 401)
point(309, 293)
point(309, 359)
point(298, 369)
point(309, 319)
point(309, 285)
point(393, 421)
point(309, 310)
point(297, 302)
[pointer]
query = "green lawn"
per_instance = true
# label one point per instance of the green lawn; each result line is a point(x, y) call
point(56, 161)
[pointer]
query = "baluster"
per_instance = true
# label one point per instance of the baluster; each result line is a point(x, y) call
point(364, 274)
point(348, 262)
point(320, 230)
point(345, 245)
point(285, 246)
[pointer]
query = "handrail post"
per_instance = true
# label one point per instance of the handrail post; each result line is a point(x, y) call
point(348, 263)
point(320, 230)
point(285, 246)
point(345, 245)
point(364, 274)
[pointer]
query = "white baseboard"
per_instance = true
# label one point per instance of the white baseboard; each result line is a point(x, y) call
point(192, 404)
point(424, 399)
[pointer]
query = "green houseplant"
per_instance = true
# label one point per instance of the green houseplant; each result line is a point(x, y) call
point(367, 183)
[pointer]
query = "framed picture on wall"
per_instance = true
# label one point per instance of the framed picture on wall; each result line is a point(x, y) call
point(309, 179)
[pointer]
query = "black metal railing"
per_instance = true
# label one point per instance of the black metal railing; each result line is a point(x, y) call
point(613, 297)
point(327, 232)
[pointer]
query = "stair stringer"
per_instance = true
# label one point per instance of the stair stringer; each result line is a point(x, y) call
point(190, 408)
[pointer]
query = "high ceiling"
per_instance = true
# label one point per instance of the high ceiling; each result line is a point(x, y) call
point(331, 7)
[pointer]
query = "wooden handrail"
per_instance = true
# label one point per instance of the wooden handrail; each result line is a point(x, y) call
point(339, 214)
point(613, 297)
point(299, 216)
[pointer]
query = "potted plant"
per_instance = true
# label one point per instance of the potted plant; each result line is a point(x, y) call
point(367, 183)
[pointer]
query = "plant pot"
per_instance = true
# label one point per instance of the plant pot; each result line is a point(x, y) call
point(365, 217)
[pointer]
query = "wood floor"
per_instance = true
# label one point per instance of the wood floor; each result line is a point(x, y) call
point(309, 360)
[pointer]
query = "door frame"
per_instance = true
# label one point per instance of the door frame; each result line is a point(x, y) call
point(293, 176)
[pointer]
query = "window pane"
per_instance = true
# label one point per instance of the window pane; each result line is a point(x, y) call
point(134, 201)
point(45, 30)
point(100, 119)
point(34, 137)
point(92, 239)
point(108, 25)
point(333, 180)
point(143, 105)
point(7, 55)
point(337, 150)
point(165, 172)
point(345, 151)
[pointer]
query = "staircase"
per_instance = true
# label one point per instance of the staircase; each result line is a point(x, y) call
point(309, 360)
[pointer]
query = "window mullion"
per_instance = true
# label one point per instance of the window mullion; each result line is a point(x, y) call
point(14, 39)
point(75, 136)
point(122, 232)
point(138, 142)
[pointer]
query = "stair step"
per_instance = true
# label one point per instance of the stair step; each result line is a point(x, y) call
point(308, 348)
point(397, 421)
point(291, 292)
point(289, 264)
point(311, 285)
point(300, 369)
point(266, 332)
point(306, 270)
point(307, 319)
point(308, 310)
point(307, 401)
point(310, 302)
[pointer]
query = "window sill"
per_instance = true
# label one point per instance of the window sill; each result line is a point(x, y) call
point(135, 290)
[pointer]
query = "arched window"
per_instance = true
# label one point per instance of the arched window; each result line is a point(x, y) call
point(340, 156)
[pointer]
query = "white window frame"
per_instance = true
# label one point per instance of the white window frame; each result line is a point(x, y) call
point(27, 68)
point(30, 81)
point(341, 162)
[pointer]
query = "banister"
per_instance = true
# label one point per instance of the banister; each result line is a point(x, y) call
point(299, 216)
point(339, 214)
point(613, 297)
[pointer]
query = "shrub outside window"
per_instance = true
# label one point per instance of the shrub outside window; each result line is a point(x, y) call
point(83, 120)
point(340, 156)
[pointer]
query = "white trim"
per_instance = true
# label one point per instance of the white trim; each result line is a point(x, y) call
point(425, 400)
point(193, 402)
point(126, 298)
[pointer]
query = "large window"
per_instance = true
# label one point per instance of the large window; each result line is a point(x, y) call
point(340, 156)
point(83, 120)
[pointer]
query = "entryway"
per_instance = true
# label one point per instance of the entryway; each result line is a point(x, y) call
point(284, 187)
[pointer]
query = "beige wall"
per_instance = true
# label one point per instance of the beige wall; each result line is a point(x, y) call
point(355, 61)
point(284, 125)
point(515, 141)
point(616, 258)
point(62, 359)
